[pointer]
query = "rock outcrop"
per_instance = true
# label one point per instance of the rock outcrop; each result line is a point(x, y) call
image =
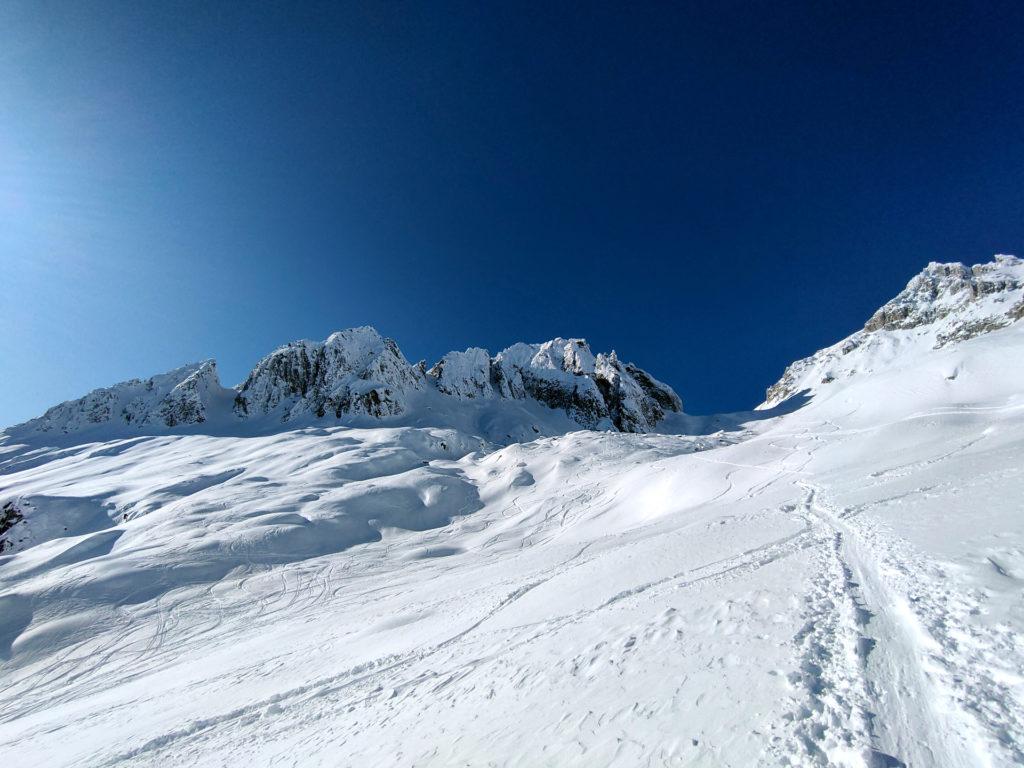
point(465, 375)
point(942, 305)
point(595, 391)
point(356, 371)
point(179, 397)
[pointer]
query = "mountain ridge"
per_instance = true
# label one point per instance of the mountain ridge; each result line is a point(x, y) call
point(357, 373)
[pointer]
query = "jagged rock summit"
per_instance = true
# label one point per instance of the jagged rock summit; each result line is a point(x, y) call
point(357, 374)
point(181, 396)
point(562, 374)
point(355, 371)
point(942, 305)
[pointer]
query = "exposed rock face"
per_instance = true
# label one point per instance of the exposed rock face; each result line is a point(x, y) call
point(10, 516)
point(944, 304)
point(636, 400)
point(562, 374)
point(941, 290)
point(186, 403)
point(356, 371)
point(181, 396)
point(558, 373)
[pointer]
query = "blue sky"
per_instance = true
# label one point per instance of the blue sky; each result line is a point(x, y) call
point(712, 189)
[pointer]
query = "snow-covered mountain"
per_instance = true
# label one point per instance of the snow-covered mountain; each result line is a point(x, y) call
point(563, 374)
point(944, 304)
point(352, 372)
point(182, 396)
point(836, 580)
point(357, 374)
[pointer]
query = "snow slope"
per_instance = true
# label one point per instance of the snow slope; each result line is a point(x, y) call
point(834, 581)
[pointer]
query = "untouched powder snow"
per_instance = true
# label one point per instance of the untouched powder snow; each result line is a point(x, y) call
point(836, 580)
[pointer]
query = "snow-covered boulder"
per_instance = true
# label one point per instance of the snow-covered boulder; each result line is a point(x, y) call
point(942, 305)
point(356, 371)
point(178, 397)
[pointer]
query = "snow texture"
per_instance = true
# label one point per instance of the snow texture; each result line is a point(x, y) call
point(833, 581)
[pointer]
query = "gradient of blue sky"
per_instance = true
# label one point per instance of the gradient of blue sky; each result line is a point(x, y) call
point(713, 189)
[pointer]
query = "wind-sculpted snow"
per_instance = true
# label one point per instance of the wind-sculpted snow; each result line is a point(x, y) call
point(944, 304)
point(832, 583)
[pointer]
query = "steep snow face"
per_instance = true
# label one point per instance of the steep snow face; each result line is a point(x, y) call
point(945, 303)
point(179, 397)
point(356, 371)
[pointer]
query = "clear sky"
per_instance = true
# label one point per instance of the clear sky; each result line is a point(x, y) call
point(712, 189)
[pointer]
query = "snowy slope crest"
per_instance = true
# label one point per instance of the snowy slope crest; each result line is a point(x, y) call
point(178, 397)
point(944, 304)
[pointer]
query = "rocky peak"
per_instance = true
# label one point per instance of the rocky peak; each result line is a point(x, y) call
point(941, 290)
point(356, 371)
point(563, 374)
point(178, 397)
point(942, 305)
point(465, 375)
